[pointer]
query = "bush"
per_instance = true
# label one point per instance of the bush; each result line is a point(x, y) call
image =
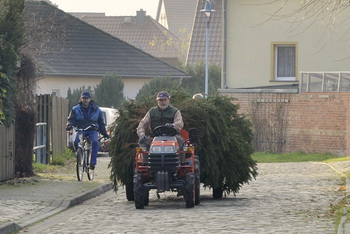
point(109, 93)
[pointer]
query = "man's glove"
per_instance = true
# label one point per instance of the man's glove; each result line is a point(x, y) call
point(169, 125)
point(69, 127)
point(104, 134)
point(143, 138)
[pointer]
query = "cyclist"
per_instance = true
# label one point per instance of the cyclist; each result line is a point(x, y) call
point(85, 114)
point(162, 114)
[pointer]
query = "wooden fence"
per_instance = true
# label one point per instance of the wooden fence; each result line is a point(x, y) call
point(7, 153)
point(53, 110)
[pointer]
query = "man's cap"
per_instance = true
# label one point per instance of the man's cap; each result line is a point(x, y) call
point(85, 95)
point(162, 95)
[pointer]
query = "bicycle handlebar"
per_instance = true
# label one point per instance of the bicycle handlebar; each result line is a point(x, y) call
point(87, 128)
point(93, 126)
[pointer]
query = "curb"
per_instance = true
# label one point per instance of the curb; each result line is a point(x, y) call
point(55, 208)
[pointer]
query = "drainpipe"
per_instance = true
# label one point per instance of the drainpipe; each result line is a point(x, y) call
point(224, 45)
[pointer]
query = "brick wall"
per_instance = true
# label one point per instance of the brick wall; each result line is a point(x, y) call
point(313, 122)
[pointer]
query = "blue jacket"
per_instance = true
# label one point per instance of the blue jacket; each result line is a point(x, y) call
point(83, 117)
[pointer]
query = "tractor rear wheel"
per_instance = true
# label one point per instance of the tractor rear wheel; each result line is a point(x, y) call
point(197, 182)
point(146, 200)
point(189, 190)
point(139, 192)
point(129, 191)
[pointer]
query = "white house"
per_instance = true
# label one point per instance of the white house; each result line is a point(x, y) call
point(81, 55)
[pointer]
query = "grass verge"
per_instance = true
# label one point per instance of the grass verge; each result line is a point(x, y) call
point(60, 164)
point(263, 157)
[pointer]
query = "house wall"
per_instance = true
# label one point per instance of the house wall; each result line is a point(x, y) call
point(51, 84)
point(251, 32)
point(313, 122)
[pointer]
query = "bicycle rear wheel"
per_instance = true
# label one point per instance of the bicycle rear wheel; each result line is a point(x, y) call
point(90, 173)
point(80, 165)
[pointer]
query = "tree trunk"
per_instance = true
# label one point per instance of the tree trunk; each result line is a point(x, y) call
point(25, 131)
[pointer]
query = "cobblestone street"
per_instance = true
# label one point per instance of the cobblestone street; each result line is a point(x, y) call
point(285, 198)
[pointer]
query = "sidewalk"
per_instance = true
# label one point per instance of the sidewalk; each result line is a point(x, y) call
point(29, 200)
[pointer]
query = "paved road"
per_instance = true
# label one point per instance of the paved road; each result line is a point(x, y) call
point(285, 198)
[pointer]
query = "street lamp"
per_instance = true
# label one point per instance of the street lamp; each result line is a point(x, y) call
point(207, 10)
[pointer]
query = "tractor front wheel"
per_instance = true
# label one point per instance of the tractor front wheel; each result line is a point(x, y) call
point(139, 197)
point(189, 190)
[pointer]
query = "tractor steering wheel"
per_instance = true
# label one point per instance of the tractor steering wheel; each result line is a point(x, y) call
point(162, 130)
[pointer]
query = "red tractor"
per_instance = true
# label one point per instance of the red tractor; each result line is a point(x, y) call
point(167, 165)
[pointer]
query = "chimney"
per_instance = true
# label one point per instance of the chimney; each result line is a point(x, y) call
point(140, 16)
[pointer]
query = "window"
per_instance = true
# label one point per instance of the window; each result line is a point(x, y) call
point(284, 62)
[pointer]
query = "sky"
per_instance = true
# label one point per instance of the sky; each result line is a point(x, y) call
point(110, 7)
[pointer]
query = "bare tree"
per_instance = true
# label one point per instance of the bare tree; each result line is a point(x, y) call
point(42, 36)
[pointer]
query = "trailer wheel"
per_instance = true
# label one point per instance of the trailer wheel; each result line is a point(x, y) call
point(217, 193)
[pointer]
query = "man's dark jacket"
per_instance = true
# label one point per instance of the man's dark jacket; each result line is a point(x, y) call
point(82, 117)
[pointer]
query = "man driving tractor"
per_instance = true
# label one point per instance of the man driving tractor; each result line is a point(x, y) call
point(162, 114)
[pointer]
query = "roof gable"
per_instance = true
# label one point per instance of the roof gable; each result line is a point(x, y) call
point(145, 33)
point(179, 15)
point(87, 51)
point(196, 51)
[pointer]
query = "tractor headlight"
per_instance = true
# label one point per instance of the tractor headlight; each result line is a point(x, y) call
point(169, 149)
point(156, 149)
point(163, 149)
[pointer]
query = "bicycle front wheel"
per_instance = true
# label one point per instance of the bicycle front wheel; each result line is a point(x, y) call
point(90, 173)
point(80, 165)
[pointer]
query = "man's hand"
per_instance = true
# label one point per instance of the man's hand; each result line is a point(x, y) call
point(143, 138)
point(69, 127)
point(169, 125)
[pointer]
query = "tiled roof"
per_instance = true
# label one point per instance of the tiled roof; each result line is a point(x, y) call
point(196, 51)
point(145, 33)
point(88, 51)
point(83, 14)
point(180, 16)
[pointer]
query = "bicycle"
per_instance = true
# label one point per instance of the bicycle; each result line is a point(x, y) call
point(83, 154)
